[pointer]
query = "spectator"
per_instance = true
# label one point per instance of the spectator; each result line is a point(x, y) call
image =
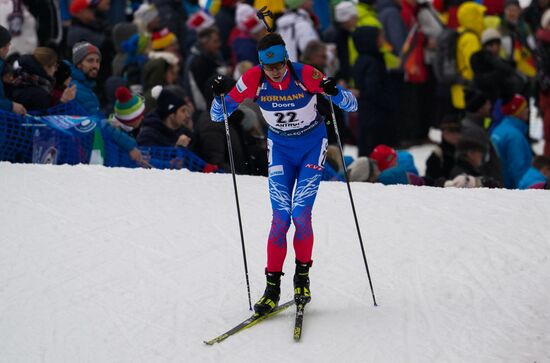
point(147, 19)
point(204, 62)
point(34, 80)
point(245, 35)
point(533, 13)
point(543, 57)
point(376, 107)
point(169, 124)
point(121, 33)
point(478, 111)
point(538, 175)
point(470, 18)
point(5, 104)
point(124, 124)
point(339, 33)
point(296, 27)
point(62, 81)
point(85, 24)
point(226, 19)
point(510, 140)
point(384, 156)
point(493, 75)
point(163, 71)
point(84, 72)
point(442, 159)
point(468, 158)
point(22, 26)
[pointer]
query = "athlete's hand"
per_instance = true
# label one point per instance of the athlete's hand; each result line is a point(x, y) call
point(220, 85)
point(329, 86)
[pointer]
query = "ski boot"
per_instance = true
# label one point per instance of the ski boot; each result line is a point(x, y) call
point(272, 293)
point(302, 294)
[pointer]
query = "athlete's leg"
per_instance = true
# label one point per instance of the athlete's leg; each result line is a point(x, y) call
point(281, 182)
point(307, 184)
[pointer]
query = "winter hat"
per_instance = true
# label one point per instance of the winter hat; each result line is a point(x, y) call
point(490, 35)
point(465, 145)
point(294, 4)
point(344, 11)
point(360, 169)
point(384, 156)
point(136, 44)
point(146, 13)
point(545, 19)
point(5, 36)
point(246, 19)
point(168, 101)
point(162, 39)
point(514, 106)
point(82, 49)
point(200, 20)
point(78, 5)
point(128, 107)
point(475, 99)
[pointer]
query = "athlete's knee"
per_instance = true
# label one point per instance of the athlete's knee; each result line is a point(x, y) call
point(280, 221)
point(301, 217)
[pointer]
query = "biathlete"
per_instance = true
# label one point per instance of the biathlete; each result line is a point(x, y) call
point(286, 93)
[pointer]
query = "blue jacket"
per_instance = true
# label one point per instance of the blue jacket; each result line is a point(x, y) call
point(532, 177)
point(510, 140)
point(85, 95)
point(5, 104)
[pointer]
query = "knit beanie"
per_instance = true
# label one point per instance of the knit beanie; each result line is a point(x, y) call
point(475, 99)
point(511, 3)
point(128, 107)
point(168, 101)
point(384, 156)
point(344, 11)
point(82, 49)
point(162, 39)
point(146, 13)
point(246, 19)
point(200, 20)
point(122, 32)
point(514, 106)
point(294, 4)
point(489, 35)
point(545, 19)
point(5, 36)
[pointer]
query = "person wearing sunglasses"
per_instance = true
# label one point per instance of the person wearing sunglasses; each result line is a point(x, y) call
point(286, 93)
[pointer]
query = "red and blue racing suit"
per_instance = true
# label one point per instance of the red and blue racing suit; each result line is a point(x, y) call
point(297, 142)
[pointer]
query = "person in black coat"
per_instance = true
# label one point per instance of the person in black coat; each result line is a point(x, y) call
point(494, 76)
point(442, 160)
point(376, 103)
point(169, 124)
point(34, 80)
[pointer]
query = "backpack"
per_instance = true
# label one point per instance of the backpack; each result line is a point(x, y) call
point(444, 65)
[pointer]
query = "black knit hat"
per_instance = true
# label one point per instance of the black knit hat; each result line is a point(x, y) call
point(5, 36)
point(475, 99)
point(168, 101)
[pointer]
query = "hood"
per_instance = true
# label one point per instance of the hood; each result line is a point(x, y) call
point(31, 65)
point(365, 40)
point(122, 32)
point(470, 16)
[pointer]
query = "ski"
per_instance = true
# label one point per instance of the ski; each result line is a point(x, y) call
point(253, 320)
point(298, 322)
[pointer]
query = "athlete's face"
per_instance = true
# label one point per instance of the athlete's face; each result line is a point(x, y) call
point(275, 71)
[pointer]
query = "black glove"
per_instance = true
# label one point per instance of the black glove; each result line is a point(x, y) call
point(329, 86)
point(220, 85)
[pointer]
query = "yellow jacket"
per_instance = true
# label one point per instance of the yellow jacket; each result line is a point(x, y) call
point(470, 18)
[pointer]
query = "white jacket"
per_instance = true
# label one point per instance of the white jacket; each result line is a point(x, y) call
point(296, 28)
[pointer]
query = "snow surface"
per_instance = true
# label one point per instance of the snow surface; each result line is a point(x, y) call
point(122, 265)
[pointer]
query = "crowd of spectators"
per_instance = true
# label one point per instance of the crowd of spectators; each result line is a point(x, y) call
point(471, 69)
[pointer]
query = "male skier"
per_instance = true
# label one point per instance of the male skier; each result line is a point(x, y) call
point(286, 93)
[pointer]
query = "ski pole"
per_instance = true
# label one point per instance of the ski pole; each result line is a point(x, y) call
point(351, 198)
point(232, 163)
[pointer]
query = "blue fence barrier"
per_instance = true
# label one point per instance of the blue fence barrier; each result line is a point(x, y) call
point(65, 135)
